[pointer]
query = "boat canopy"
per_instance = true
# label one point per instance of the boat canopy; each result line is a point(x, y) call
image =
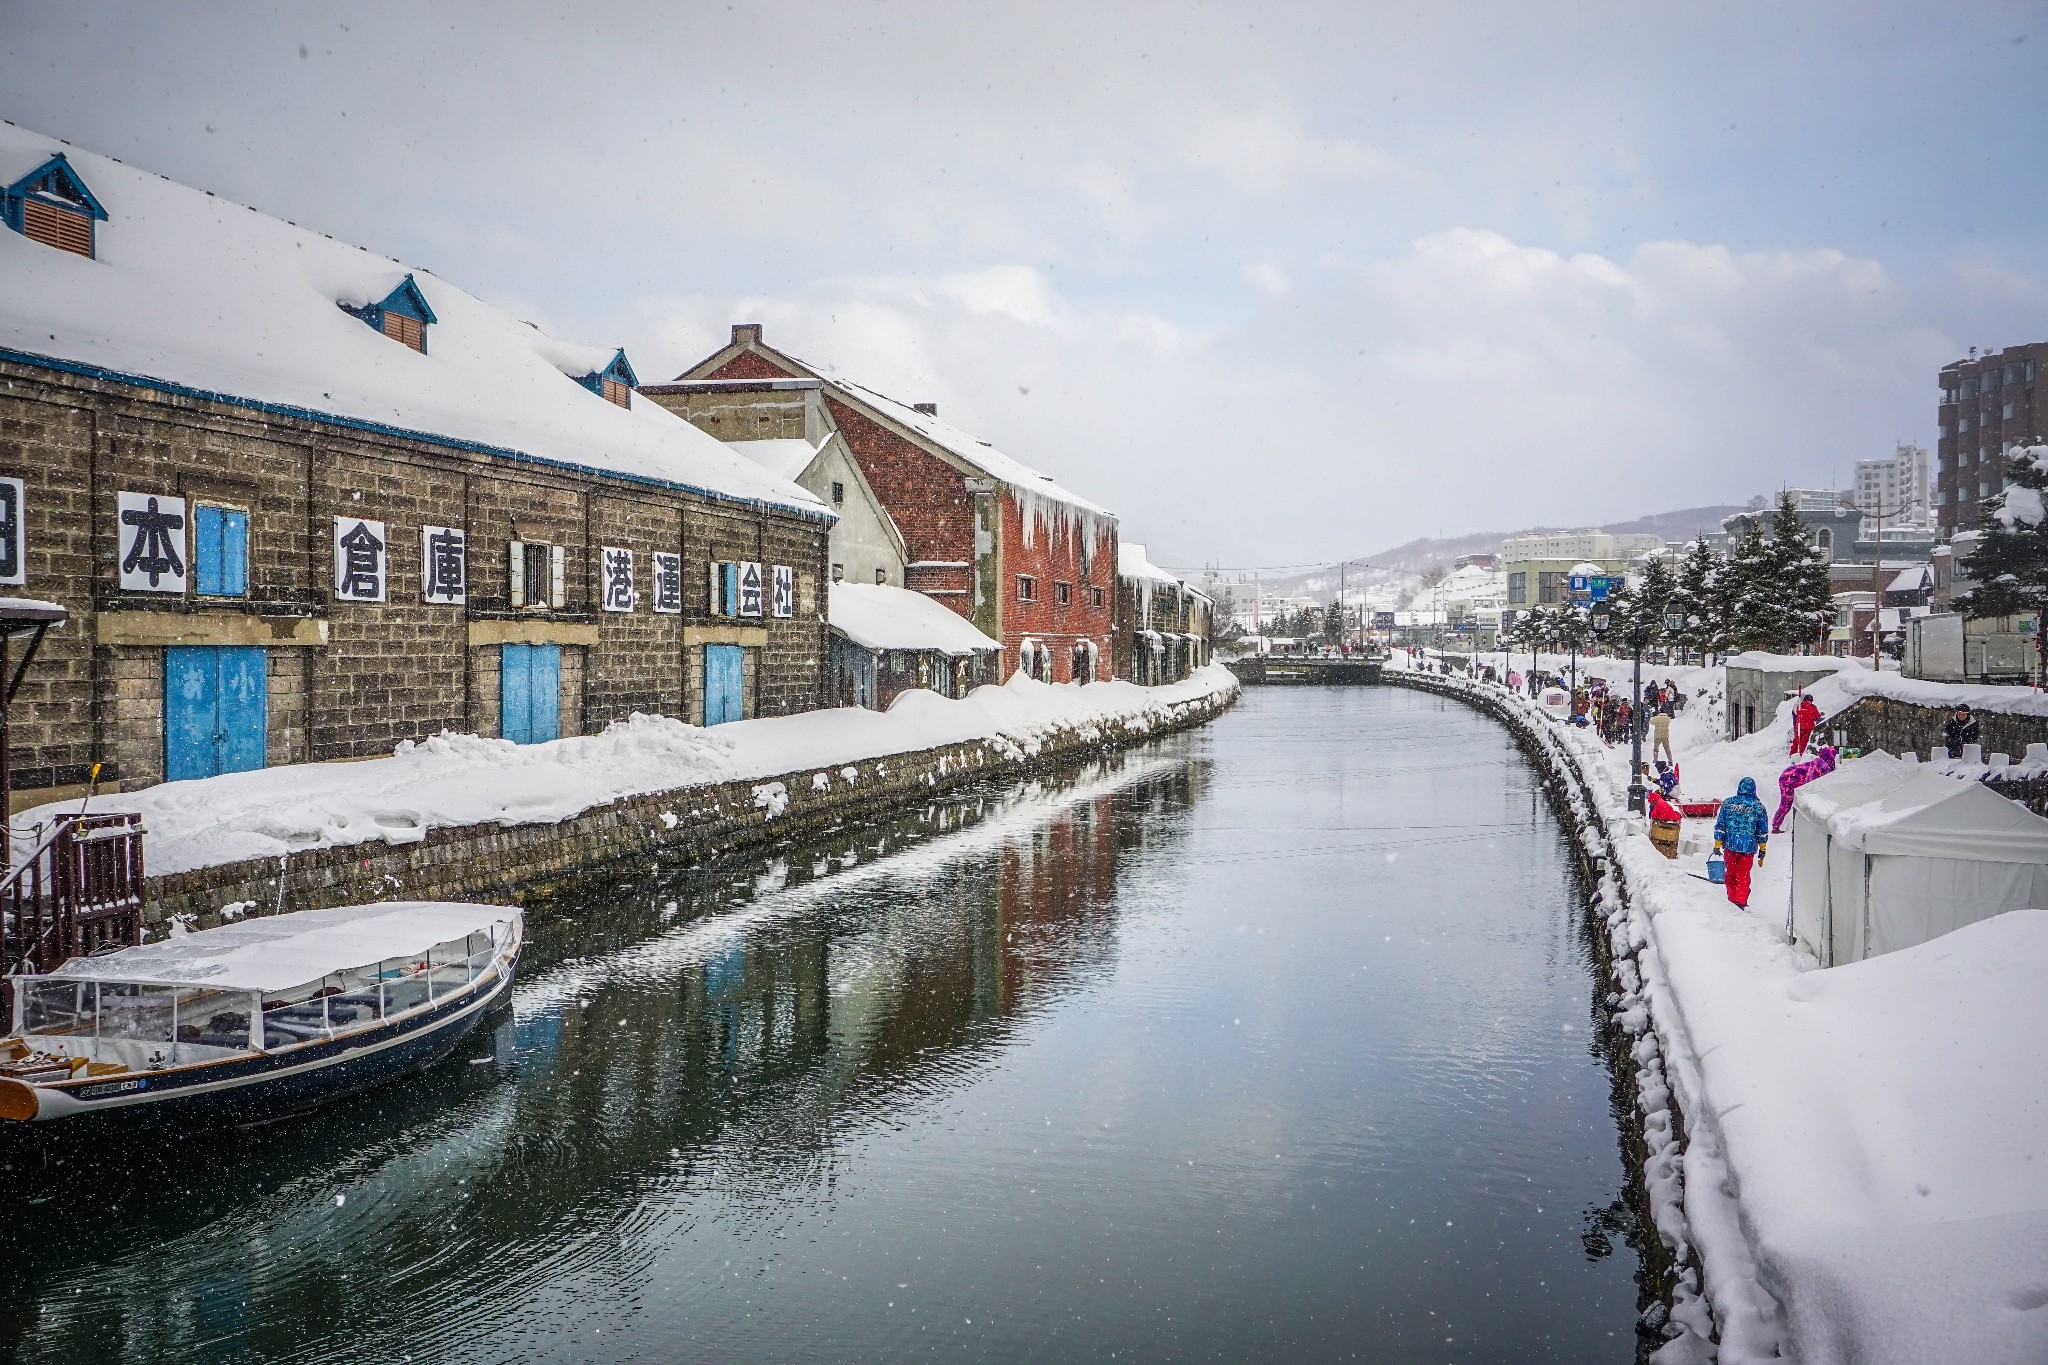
point(280, 952)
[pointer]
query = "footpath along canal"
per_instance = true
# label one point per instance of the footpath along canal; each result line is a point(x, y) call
point(1274, 1039)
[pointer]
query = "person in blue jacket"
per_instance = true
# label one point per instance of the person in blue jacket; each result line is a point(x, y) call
point(1741, 831)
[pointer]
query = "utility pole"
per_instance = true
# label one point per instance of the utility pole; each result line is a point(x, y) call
point(1877, 574)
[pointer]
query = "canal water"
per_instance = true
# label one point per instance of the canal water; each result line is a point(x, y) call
point(1273, 1040)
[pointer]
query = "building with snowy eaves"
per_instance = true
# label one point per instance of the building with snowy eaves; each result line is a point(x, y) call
point(304, 502)
point(1030, 563)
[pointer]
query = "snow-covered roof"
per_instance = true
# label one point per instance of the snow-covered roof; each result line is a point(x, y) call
point(1132, 563)
point(1932, 815)
point(1028, 483)
point(1913, 579)
point(783, 456)
point(280, 952)
point(876, 616)
point(199, 293)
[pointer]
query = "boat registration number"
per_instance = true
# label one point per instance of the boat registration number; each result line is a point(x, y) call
point(93, 1092)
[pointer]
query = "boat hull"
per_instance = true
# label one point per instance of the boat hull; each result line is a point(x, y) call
point(265, 1087)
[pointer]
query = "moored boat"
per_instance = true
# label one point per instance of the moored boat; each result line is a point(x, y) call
point(255, 1020)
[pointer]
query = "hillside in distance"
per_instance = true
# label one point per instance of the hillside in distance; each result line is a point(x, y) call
point(1413, 560)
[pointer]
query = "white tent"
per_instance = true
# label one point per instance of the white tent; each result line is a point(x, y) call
point(1911, 860)
point(1856, 781)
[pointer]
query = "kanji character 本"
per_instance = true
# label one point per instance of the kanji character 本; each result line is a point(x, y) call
point(358, 560)
point(618, 579)
point(152, 543)
point(444, 565)
point(153, 552)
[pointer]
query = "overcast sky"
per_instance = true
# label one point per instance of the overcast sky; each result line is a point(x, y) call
point(1277, 283)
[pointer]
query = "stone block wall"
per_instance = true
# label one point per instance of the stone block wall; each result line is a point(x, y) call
point(1899, 727)
point(349, 679)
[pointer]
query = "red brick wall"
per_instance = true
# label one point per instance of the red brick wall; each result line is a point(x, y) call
point(926, 497)
point(1055, 556)
point(749, 365)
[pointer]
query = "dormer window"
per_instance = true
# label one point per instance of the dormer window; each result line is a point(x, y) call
point(402, 315)
point(615, 382)
point(51, 205)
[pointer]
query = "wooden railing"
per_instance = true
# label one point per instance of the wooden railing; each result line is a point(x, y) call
point(78, 892)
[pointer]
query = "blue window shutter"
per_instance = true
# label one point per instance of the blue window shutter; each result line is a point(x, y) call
point(234, 554)
point(220, 551)
point(206, 550)
point(730, 576)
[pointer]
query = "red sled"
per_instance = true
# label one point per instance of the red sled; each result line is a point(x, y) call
point(1700, 810)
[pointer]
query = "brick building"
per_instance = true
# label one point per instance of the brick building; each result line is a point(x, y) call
point(1987, 407)
point(1031, 564)
point(304, 504)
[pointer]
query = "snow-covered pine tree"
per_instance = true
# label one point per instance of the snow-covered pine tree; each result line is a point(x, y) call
point(1655, 596)
point(1798, 576)
point(2010, 564)
point(1743, 592)
point(1693, 596)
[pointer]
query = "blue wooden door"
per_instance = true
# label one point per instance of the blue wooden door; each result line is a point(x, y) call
point(724, 683)
point(530, 693)
point(216, 711)
point(546, 709)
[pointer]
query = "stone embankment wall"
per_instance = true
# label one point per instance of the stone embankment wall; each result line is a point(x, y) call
point(693, 824)
point(1653, 1137)
point(1903, 727)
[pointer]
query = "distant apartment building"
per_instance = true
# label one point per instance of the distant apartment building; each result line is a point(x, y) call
point(1898, 490)
point(1987, 407)
point(1539, 567)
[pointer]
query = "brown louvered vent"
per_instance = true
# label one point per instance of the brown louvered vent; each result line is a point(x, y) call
point(618, 391)
point(60, 228)
point(411, 331)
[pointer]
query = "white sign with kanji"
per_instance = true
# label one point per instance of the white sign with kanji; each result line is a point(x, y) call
point(153, 541)
point(362, 557)
point(750, 588)
point(444, 565)
point(785, 590)
point(617, 569)
point(13, 543)
point(668, 584)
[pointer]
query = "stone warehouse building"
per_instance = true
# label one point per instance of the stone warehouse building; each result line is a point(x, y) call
point(303, 503)
point(1031, 564)
point(1164, 624)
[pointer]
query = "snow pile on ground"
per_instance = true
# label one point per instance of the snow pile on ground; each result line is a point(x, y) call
point(453, 780)
point(1866, 1175)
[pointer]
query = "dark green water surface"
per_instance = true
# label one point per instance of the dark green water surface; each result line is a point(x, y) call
point(1271, 1041)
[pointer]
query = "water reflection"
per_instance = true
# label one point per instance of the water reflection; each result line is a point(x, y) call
point(672, 1029)
point(1270, 1041)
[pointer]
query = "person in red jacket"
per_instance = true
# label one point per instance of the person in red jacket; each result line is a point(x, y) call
point(1805, 716)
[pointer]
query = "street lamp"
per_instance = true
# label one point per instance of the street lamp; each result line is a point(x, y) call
point(1638, 636)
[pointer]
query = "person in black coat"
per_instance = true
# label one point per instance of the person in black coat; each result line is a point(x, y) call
point(1961, 729)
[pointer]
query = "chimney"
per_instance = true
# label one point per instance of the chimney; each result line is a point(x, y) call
point(928, 409)
point(746, 334)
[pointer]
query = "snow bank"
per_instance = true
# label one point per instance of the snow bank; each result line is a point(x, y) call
point(453, 780)
point(1863, 1177)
